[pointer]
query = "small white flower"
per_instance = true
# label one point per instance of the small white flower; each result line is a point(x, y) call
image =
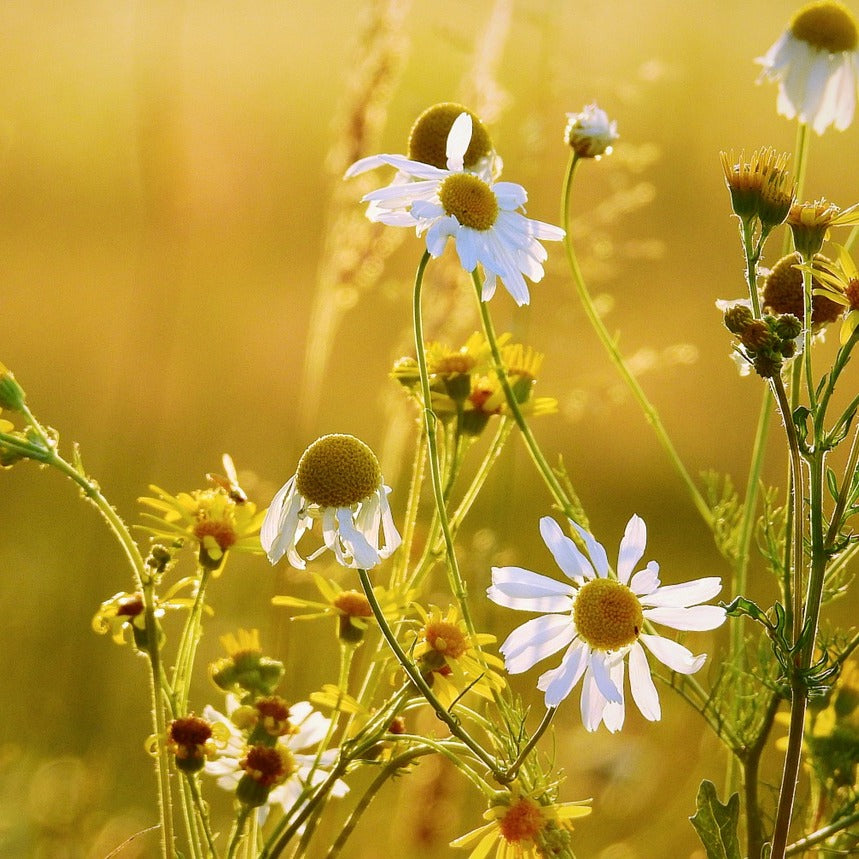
point(481, 216)
point(590, 133)
point(816, 64)
point(338, 481)
point(599, 620)
point(308, 729)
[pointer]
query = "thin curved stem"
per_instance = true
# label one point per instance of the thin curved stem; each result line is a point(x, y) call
point(650, 412)
point(513, 769)
point(457, 584)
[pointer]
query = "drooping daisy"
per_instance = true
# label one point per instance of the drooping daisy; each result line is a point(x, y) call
point(481, 216)
point(338, 481)
point(816, 64)
point(265, 774)
point(600, 621)
point(522, 827)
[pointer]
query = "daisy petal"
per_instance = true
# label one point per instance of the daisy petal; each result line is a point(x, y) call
point(631, 548)
point(685, 594)
point(641, 683)
point(674, 655)
point(570, 560)
point(559, 682)
point(699, 617)
point(535, 640)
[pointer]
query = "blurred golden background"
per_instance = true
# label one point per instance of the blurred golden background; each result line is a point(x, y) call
point(172, 288)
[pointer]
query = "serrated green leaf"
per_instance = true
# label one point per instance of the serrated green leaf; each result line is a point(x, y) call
point(716, 824)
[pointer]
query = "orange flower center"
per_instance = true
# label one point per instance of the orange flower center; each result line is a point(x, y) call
point(447, 638)
point(222, 531)
point(522, 821)
point(353, 604)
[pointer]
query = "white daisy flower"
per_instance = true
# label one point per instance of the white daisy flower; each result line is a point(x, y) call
point(479, 215)
point(590, 133)
point(338, 482)
point(282, 770)
point(599, 620)
point(816, 64)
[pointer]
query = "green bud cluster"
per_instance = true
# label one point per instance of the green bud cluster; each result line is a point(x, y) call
point(766, 342)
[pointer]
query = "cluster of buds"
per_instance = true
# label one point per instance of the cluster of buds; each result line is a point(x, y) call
point(16, 445)
point(246, 672)
point(765, 342)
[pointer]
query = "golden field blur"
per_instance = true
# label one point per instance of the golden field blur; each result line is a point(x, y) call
point(175, 235)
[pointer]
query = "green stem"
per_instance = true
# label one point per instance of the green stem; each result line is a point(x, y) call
point(820, 835)
point(239, 830)
point(548, 475)
point(417, 678)
point(457, 584)
point(401, 562)
point(737, 652)
point(188, 642)
point(617, 359)
point(389, 770)
point(202, 814)
point(513, 769)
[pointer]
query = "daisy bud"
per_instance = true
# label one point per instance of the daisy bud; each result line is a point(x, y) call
point(590, 134)
point(737, 318)
point(11, 393)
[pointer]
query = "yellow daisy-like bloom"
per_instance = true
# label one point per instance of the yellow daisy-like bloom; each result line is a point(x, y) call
point(212, 518)
point(810, 222)
point(463, 382)
point(522, 827)
point(816, 64)
point(350, 607)
point(451, 660)
point(122, 616)
point(839, 282)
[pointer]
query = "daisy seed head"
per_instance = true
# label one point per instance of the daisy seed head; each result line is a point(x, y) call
point(826, 26)
point(607, 614)
point(338, 471)
point(470, 200)
point(273, 715)
point(428, 137)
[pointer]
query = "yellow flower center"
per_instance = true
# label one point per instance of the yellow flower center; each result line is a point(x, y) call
point(428, 137)
point(470, 200)
point(447, 638)
point(522, 821)
point(827, 26)
point(353, 604)
point(338, 471)
point(607, 614)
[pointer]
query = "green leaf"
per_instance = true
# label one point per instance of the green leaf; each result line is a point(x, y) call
point(716, 824)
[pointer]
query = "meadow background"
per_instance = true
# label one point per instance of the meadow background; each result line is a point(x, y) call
point(172, 225)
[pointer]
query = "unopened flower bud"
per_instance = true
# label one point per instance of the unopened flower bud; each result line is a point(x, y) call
point(737, 317)
point(11, 393)
point(590, 134)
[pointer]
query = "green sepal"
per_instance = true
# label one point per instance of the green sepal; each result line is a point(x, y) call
point(716, 824)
